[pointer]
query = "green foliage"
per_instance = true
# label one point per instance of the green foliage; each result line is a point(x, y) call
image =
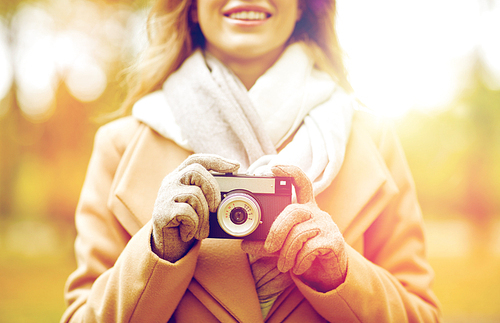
point(455, 154)
point(32, 288)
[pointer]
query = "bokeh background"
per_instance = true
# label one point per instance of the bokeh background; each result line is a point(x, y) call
point(431, 66)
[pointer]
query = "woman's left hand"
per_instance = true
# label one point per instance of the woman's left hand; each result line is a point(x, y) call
point(308, 241)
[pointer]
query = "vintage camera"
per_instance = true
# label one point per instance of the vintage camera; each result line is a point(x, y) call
point(249, 205)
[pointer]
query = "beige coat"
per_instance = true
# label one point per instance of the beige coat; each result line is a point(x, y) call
point(119, 278)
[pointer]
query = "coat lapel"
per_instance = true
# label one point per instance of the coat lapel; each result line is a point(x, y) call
point(362, 188)
point(224, 272)
point(146, 161)
point(360, 191)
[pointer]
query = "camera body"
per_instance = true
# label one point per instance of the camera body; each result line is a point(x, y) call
point(249, 205)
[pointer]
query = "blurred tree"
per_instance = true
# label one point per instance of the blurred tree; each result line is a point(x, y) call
point(43, 162)
point(454, 154)
point(9, 152)
point(481, 198)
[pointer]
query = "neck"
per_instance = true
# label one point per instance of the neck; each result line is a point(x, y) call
point(248, 70)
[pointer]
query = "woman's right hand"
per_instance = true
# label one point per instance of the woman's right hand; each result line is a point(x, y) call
point(186, 196)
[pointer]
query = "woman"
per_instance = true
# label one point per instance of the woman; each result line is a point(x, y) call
point(256, 87)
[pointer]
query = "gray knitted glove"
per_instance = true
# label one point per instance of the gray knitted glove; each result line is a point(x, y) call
point(181, 210)
point(304, 238)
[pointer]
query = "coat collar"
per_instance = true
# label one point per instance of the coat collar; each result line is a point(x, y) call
point(362, 188)
point(359, 193)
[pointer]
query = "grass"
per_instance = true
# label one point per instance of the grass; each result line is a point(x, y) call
point(468, 288)
point(32, 289)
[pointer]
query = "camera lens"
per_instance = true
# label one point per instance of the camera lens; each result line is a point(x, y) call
point(238, 215)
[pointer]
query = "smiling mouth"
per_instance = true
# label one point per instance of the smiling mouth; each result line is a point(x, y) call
point(248, 15)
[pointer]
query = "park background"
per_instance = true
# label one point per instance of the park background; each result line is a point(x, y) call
point(432, 67)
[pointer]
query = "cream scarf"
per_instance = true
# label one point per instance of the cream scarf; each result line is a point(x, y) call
point(204, 108)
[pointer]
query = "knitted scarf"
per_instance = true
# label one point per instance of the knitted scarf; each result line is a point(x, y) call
point(204, 108)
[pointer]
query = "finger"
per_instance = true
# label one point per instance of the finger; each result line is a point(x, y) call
point(325, 245)
point(185, 219)
point(302, 184)
point(192, 201)
point(197, 175)
point(286, 220)
point(312, 249)
point(194, 196)
point(294, 244)
point(212, 162)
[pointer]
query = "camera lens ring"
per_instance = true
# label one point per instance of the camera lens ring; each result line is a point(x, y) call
point(241, 201)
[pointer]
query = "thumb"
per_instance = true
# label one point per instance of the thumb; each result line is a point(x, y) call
point(212, 162)
point(302, 184)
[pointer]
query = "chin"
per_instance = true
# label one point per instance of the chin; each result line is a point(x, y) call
point(254, 50)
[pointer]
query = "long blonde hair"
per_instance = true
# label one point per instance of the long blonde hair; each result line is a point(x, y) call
point(173, 36)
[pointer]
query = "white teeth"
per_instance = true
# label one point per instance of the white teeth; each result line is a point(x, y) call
point(248, 15)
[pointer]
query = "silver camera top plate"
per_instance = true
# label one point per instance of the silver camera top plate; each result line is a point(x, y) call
point(263, 185)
